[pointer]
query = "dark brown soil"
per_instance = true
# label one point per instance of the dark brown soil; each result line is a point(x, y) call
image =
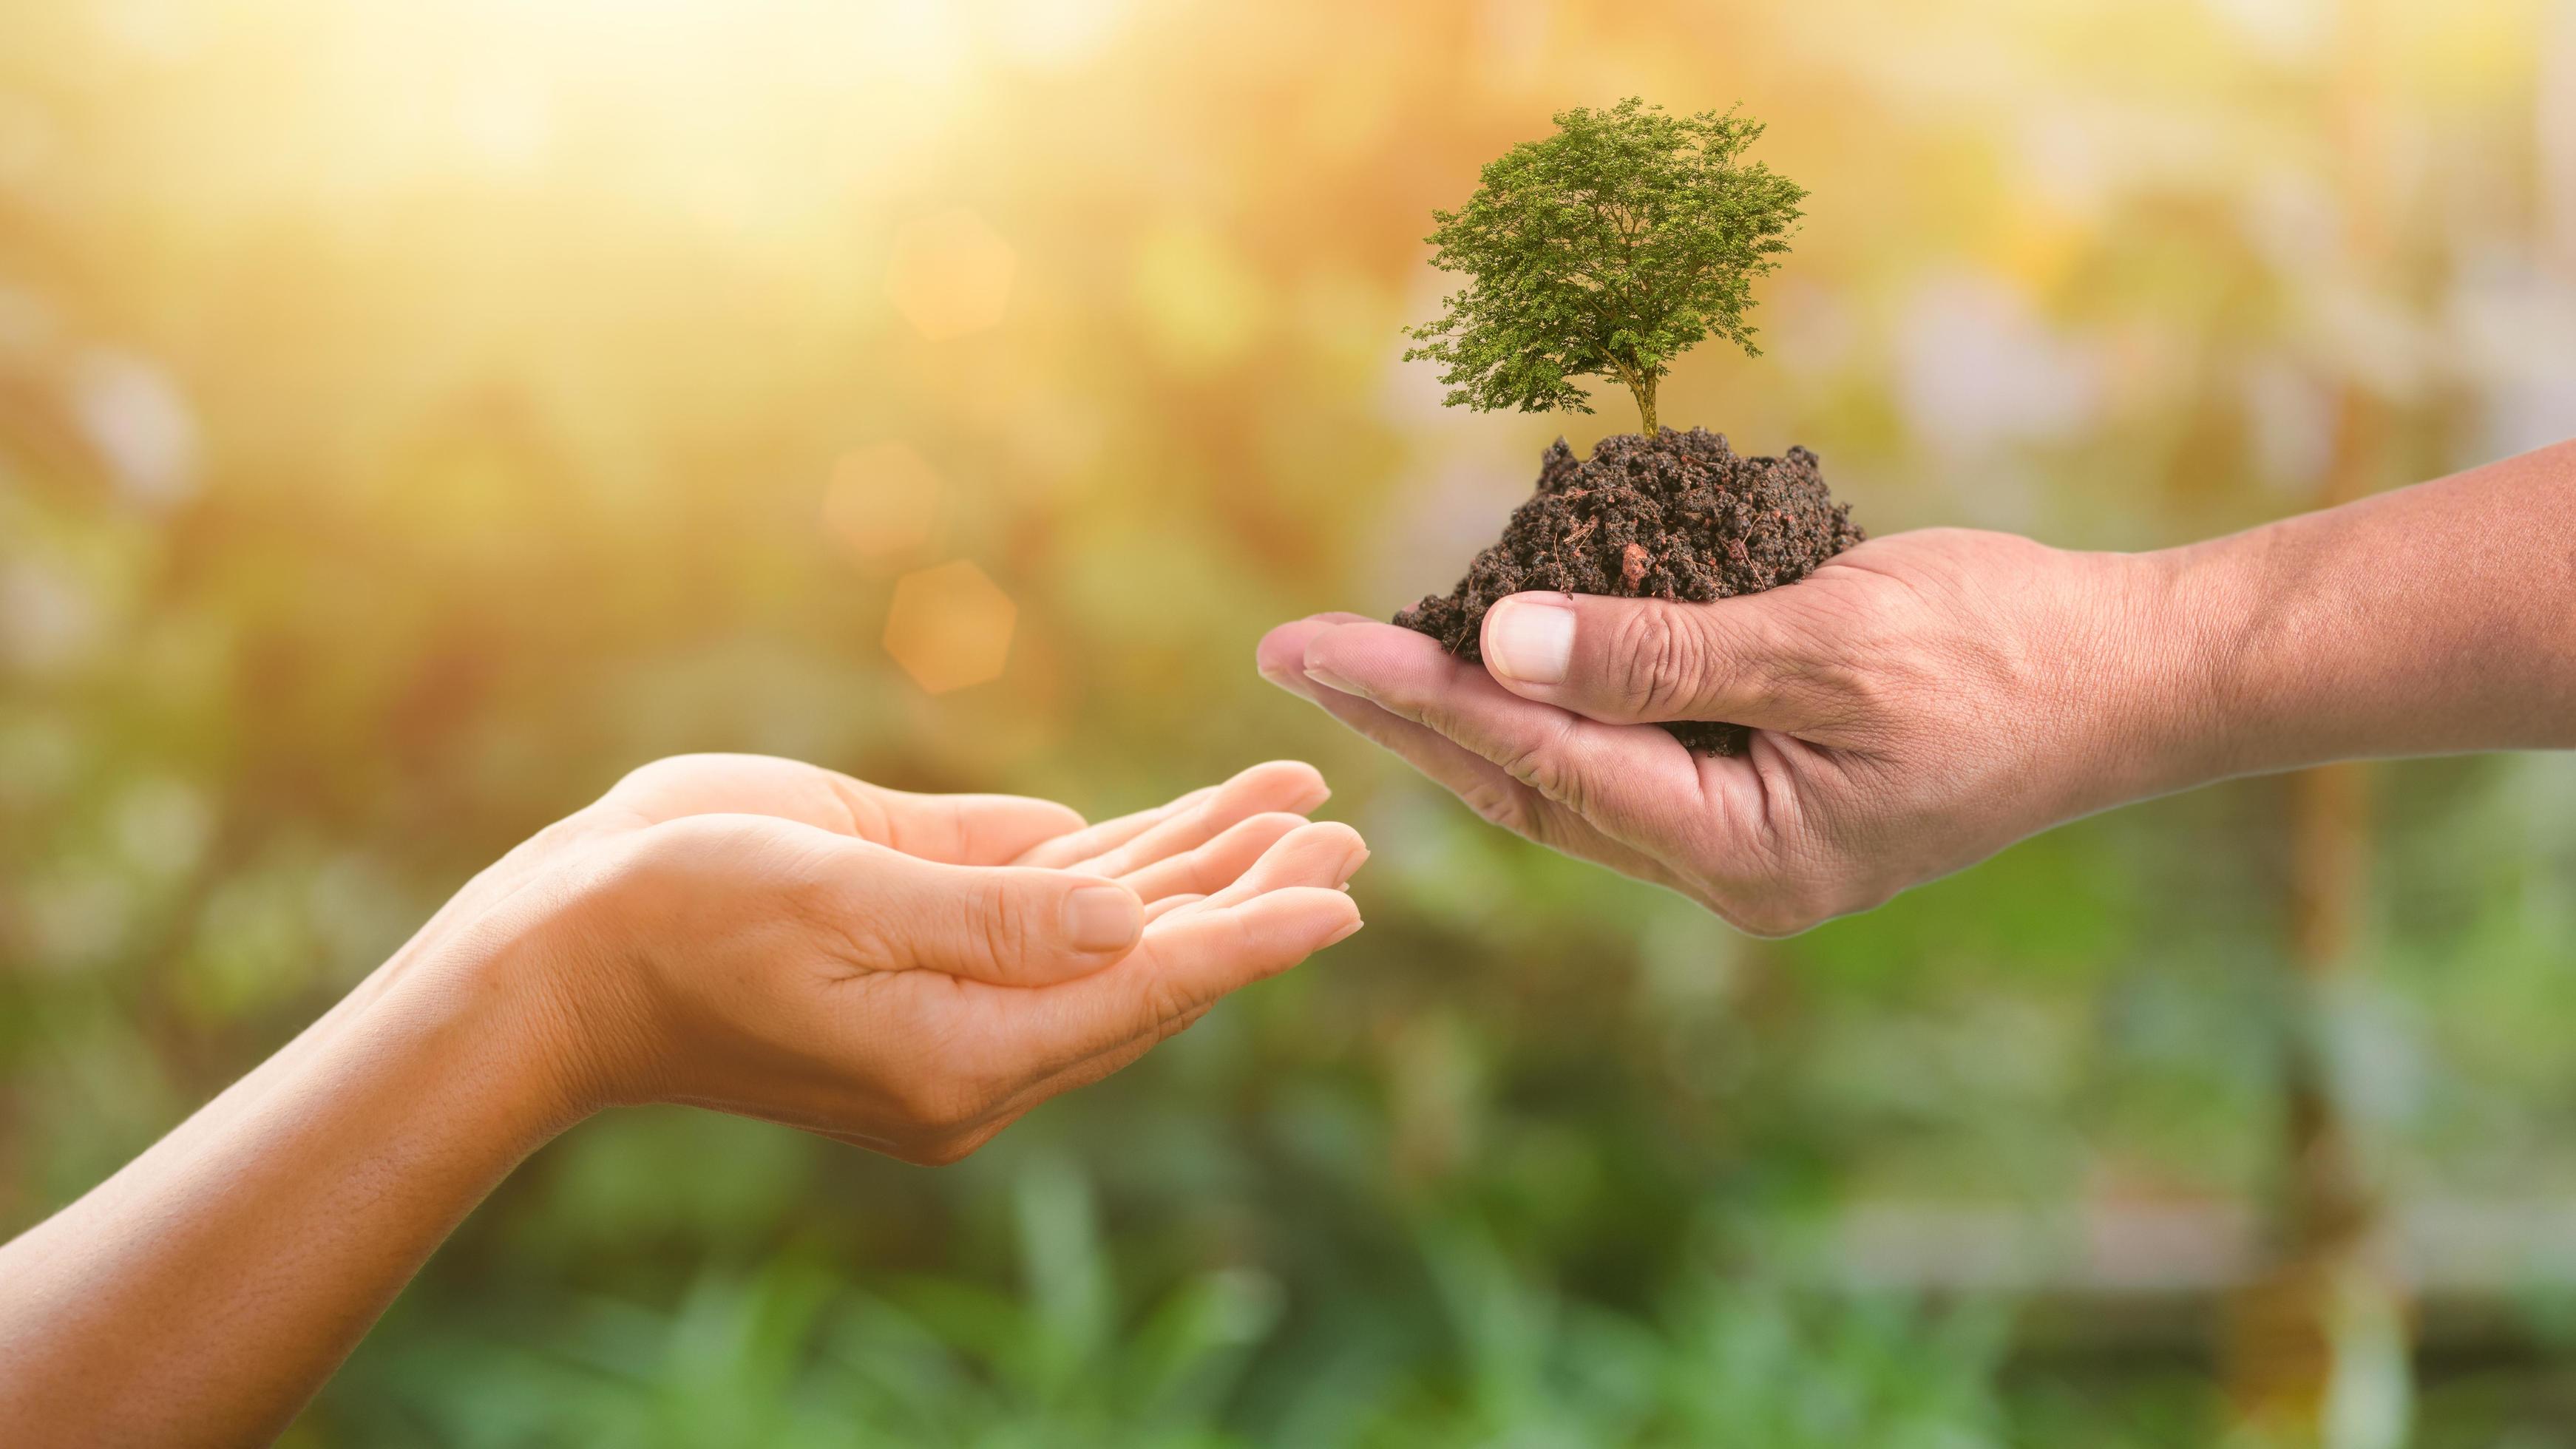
point(1675, 516)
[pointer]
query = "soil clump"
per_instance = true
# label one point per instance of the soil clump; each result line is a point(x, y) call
point(1675, 516)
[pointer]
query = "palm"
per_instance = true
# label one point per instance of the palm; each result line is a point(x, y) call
point(926, 1063)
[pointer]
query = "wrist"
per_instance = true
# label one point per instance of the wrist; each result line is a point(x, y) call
point(2170, 682)
point(518, 985)
point(484, 1016)
point(2209, 713)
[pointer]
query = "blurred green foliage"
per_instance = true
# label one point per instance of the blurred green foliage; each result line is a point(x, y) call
point(410, 419)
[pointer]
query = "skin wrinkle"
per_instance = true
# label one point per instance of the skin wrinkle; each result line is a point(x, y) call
point(1540, 765)
point(866, 815)
point(1662, 663)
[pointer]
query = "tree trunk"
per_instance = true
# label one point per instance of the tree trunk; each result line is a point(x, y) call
point(1641, 386)
point(2317, 1345)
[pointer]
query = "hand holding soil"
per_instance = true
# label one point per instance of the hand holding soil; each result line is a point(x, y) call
point(1922, 700)
point(1902, 703)
point(1625, 677)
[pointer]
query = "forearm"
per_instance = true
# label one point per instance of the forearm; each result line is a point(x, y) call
point(2435, 619)
point(205, 1292)
point(488, 891)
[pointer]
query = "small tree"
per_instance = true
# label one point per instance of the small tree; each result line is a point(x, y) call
point(1605, 250)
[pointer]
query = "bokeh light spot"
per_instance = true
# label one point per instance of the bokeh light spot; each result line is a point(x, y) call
point(882, 501)
point(139, 423)
point(950, 274)
point(950, 626)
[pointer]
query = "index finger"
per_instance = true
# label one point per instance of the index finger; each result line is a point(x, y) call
point(1620, 777)
point(1480, 783)
point(1132, 842)
point(1472, 778)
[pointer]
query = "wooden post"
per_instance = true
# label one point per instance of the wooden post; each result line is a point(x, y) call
point(2316, 1350)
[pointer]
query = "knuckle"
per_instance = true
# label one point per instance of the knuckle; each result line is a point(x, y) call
point(945, 1149)
point(653, 772)
point(1772, 921)
point(677, 773)
point(1657, 658)
point(1783, 910)
point(1541, 764)
point(659, 865)
point(940, 1106)
point(1498, 805)
point(1002, 923)
point(1166, 1010)
point(666, 848)
point(1856, 696)
point(869, 817)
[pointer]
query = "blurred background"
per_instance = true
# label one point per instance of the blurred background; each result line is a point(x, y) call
point(413, 416)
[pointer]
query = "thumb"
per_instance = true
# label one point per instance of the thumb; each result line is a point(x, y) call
point(1007, 925)
point(1648, 661)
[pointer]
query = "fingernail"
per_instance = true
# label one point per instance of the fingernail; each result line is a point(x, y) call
point(1102, 918)
point(1530, 640)
point(1344, 934)
point(1351, 867)
point(1330, 680)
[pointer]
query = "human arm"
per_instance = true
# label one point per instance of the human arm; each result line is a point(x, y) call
point(1928, 698)
point(909, 973)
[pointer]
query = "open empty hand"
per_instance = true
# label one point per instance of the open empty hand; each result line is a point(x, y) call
point(906, 972)
point(912, 972)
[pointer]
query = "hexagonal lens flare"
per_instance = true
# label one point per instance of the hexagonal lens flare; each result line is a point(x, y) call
point(950, 626)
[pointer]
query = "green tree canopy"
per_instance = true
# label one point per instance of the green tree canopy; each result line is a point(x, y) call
point(1605, 250)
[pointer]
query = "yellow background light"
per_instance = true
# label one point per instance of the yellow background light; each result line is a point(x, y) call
point(950, 274)
point(882, 500)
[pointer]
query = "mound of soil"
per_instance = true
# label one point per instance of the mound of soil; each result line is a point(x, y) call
point(1674, 516)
